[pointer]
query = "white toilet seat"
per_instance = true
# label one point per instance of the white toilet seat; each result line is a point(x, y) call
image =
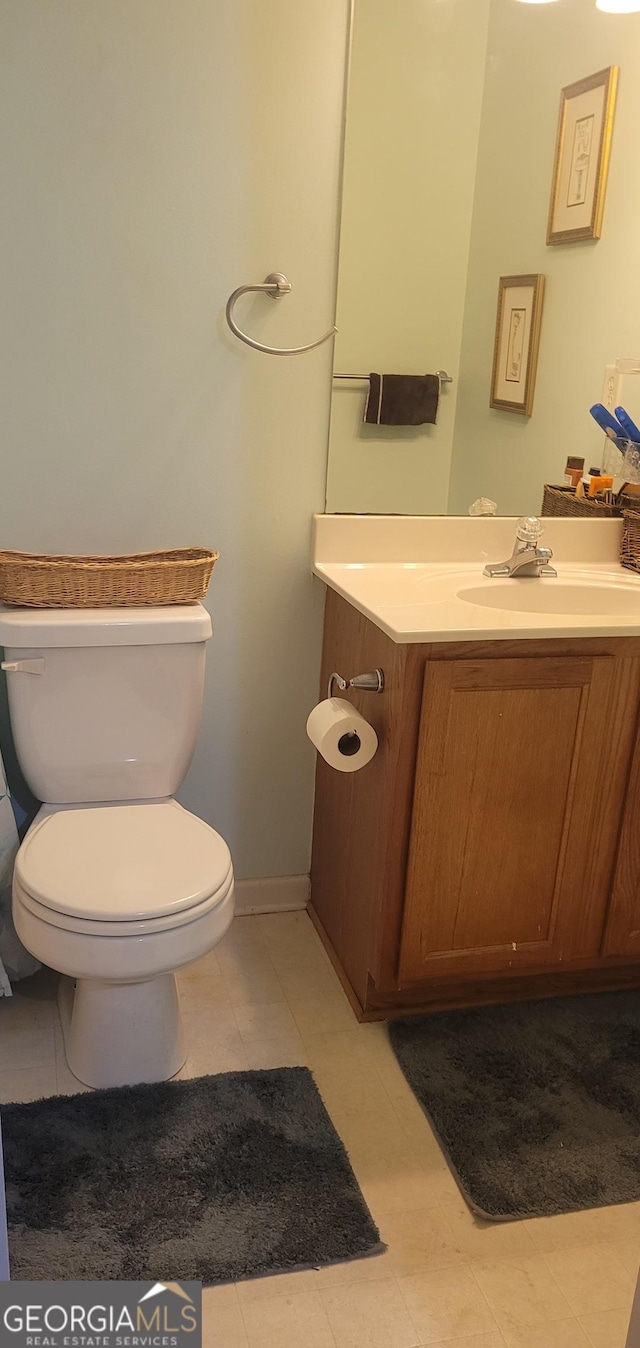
point(122, 870)
point(87, 927)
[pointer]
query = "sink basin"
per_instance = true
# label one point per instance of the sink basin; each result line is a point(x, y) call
point(534, 595)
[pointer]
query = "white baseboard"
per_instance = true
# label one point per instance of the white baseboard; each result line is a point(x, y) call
point(275, 894)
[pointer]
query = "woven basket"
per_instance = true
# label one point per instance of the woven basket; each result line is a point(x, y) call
point(563, 501)
point(630, 545)
point(40, 581)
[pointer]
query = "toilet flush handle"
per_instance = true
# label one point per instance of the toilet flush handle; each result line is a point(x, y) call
point(23, 666)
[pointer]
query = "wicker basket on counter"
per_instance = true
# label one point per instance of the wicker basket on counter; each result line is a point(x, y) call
point(563, 501)
point(141, 578)
point(630, 545)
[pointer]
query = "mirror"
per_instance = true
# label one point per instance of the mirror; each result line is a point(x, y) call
point(455, 176)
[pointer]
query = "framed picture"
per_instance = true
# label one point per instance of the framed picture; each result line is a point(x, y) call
point(583, 147)
point(515, 353)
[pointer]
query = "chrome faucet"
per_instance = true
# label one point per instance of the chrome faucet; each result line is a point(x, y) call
point(528, 559)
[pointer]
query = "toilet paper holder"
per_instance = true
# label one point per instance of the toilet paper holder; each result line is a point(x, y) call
point(373, 682)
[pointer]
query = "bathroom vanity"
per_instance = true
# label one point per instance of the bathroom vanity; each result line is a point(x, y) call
point(491, 849)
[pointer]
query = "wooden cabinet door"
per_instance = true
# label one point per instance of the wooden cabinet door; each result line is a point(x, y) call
point(521, 772)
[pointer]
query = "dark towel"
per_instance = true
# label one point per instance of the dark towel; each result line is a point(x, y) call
point(402, 399)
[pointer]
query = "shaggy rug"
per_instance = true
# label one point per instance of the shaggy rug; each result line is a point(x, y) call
point(537, 1105)
point(218, 1178)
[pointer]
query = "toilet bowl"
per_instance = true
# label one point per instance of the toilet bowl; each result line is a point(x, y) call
point(119, 898)
point(115, 891)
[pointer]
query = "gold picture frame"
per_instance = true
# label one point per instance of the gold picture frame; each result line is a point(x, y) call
point(581, 165)
point(517, 340)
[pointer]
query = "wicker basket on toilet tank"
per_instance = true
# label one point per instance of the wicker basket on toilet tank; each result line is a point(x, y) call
point(41, 581)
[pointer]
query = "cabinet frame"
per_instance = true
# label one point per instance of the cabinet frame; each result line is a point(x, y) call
point(362, 823)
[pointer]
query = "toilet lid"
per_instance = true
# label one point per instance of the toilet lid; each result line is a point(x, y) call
point(123, 862)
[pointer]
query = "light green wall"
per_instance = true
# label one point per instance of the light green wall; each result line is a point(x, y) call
point(592, 304)
point(415, 91)
point(155, 156)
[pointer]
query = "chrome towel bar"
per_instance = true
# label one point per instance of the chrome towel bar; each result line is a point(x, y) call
point(275, 285)
point(442, 376)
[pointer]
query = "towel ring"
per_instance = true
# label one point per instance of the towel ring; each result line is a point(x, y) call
point(275, 285)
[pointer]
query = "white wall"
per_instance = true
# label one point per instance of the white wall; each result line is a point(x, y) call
point(415, 91)
point(592, 297)
point(156, 155)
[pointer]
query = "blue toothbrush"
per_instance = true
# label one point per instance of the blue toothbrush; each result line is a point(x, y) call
point(629, 427)
point(608, 423)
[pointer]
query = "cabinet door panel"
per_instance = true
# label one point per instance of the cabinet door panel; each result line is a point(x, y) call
point(521, 768)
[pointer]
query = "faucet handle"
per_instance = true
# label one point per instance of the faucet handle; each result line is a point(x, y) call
point(529, 529)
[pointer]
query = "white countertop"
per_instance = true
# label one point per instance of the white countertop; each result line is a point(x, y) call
point(420, 578)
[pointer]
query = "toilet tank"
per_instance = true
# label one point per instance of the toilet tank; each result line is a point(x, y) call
point(104, 704)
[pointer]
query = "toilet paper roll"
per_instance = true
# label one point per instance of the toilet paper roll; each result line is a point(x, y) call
point(346, 741)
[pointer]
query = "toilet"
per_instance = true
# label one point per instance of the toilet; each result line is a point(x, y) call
point(116, 885)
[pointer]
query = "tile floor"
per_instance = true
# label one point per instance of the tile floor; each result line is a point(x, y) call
point(268, 997)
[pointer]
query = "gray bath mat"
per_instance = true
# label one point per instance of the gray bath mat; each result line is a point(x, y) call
point(537, 1105)
point(213, 1179)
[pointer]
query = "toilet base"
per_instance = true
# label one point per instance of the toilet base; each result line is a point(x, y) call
point(121, 1034)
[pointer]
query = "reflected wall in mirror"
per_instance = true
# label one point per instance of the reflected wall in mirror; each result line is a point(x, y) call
point(451, 129)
